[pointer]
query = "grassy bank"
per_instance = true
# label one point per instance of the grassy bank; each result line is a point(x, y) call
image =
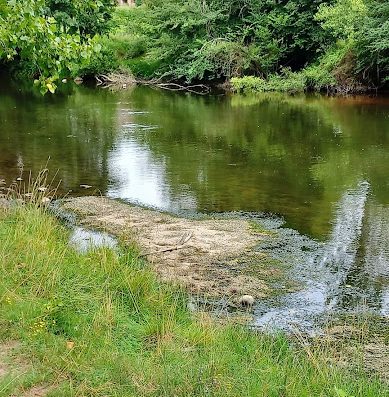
point(101, 324)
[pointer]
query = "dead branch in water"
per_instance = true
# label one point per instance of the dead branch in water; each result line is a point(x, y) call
point(114, 80)
point(199, 89)
point(181, 244)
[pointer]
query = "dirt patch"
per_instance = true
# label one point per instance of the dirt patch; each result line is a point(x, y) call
point(364, 344)
point(6, 349)
point(376, 359)
point(11, 365)
point(344, 331)
point(206, 264)
point(37, 391)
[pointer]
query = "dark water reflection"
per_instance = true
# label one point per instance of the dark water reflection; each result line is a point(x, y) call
point(293, 156)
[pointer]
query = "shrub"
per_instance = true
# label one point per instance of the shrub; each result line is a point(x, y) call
point(335, 70)
point(116, 52)
point(320, 75)
point(286, 81)
point(196, 40)
point(373, 43)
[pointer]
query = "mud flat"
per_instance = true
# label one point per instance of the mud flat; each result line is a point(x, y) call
point(201, 255)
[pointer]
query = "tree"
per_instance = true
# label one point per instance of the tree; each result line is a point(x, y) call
point(196, 39)
point(342, 18)
point(373, 43)
point(36, 44)
point(87, 17)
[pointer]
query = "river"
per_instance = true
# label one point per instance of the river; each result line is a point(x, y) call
point(318, 165)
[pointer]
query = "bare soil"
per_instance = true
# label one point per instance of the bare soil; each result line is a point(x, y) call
point(350, 344)
point(5, 352)
point(13, 366)
point(37, 391)
point(207, 264)
point(376, 358)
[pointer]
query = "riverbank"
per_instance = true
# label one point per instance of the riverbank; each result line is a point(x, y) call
point(214, 258)
point(284, 47)
point(101, 323)
point(153, 44)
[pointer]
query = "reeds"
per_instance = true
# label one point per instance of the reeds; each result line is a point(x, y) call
point(37, 190)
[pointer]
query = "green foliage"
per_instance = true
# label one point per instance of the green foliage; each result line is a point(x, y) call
point(325, 73)
point(36, 42)
point(342, 18)
point(325, 40)
point(334, 71)
point(194, 39)
point(118, 53)
point(373, 43)
point(286, 81)
point(364, 25)
point(333, 43)
point(37, 45)
point(87, 17)
point(248, 84)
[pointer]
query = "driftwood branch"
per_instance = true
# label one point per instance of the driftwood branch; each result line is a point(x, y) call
point(118, 79)
point(177, 247)
point(181, 244)
point(200, 89)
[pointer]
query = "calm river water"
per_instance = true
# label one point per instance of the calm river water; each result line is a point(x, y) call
point(319, 163)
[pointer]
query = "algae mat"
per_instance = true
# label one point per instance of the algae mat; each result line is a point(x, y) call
point(201, 255)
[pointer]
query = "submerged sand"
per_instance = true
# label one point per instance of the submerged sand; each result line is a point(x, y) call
point(204, 256)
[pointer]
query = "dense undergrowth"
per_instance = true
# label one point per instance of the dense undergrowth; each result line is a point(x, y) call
point(257, 45)
point(287, 45)
point(101, 324)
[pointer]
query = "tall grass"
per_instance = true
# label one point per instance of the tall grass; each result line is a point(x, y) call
point(36, 191)
point(101, 324)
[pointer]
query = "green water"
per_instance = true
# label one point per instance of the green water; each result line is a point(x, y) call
point(292, 156)
point(319, 163)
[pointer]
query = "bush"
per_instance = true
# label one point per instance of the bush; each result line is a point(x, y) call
point(320, 75)
point(333, 71)
point(373, 43)
point(37, 46)
point(117, 52)
point(215, 59)
point(287, 81)
point(196, 40)
point(87, 17)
